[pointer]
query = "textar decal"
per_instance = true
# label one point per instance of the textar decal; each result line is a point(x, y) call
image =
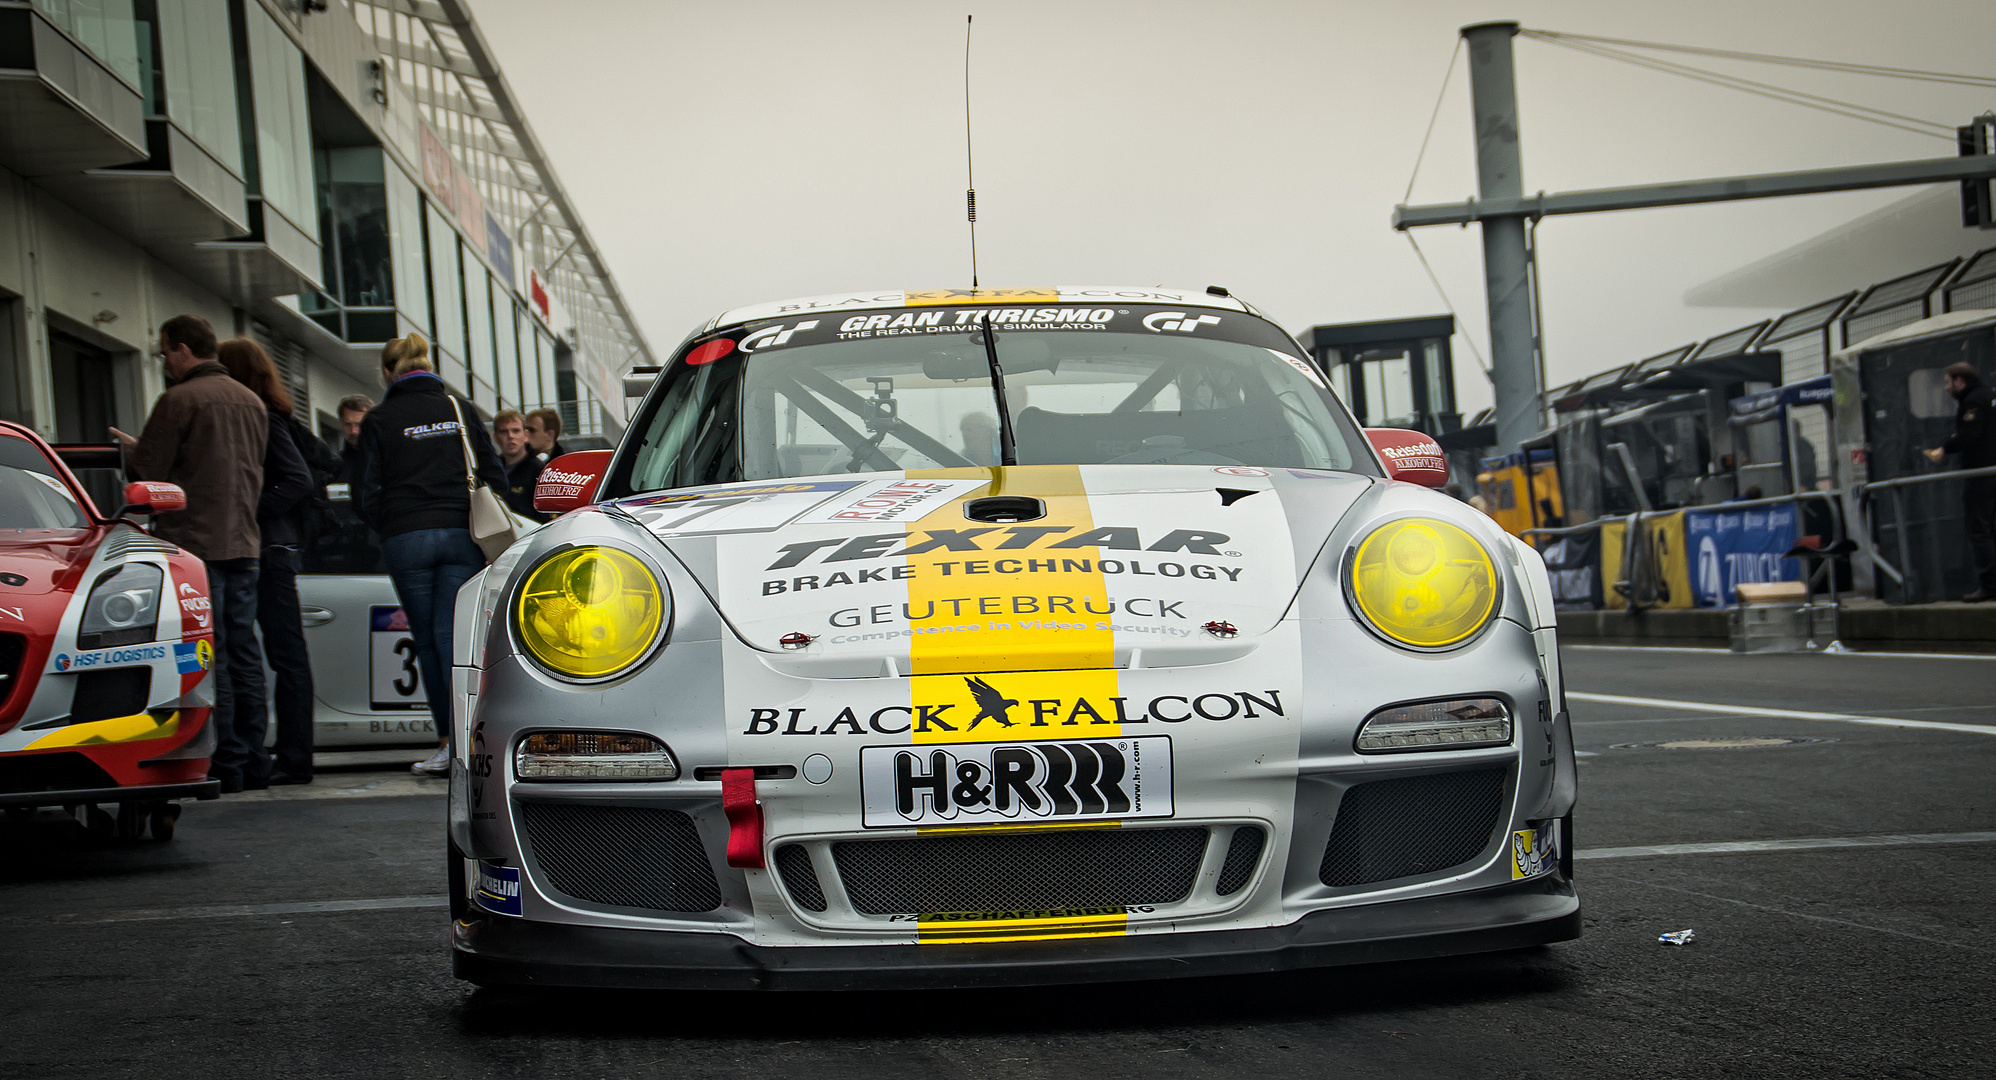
point(1005, 708)
point(1017, 537)
point(972, 783)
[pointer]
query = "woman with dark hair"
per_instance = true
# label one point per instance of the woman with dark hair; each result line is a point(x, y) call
point(287, 489)
point(414, 490)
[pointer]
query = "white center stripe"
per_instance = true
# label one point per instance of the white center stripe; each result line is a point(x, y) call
point(229, 911)
point(1807, 844)
point(1781, 714)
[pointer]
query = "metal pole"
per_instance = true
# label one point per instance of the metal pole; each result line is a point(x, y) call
point(1493, 96)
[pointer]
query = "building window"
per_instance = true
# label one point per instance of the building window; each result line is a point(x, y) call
point(283, 143)
point(197, 62)
point(104, 27)
point(447, 296)
point(1389, 387)
point(405, 241)
point(358, 253)
point(479, 352)
point(506, 315)
point(550, 385)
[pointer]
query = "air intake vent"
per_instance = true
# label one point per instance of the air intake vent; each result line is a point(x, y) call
point(1412, 826)
point(1242, 855)
point(621, 856)
point(793, 865)
point(1020, 872)
point(1005, 509)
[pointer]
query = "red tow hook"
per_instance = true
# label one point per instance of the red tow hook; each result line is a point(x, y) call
point(744, 818)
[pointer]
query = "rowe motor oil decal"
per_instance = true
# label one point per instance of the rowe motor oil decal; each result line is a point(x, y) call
point(1058, 666)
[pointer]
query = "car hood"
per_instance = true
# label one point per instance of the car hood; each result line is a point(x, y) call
point(1003, 569)
point(35, 562)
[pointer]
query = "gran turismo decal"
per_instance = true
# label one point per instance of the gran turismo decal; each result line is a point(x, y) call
point(997, 707)
point(773, 336)
point(1017, 537)
point(979, 783)
point(1177, 322)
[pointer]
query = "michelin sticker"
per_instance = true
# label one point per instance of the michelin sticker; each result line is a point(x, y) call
point(1534, 852)
point(498, 889)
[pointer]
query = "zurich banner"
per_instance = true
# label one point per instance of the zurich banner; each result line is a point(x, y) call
point(1728, 547)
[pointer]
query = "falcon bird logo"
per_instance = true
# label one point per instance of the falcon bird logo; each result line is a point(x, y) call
point(990, 702)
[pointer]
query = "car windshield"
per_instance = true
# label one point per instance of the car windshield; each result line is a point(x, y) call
point(31, 495)
point(906, 389)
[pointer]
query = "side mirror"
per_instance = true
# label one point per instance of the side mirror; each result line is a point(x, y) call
point(1410, 456)
point(570, 481)
point(153, 497)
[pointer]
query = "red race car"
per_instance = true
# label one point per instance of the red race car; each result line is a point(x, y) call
point(106, 639)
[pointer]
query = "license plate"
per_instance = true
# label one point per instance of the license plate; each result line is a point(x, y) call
point(1021, 782)
point(394, 684)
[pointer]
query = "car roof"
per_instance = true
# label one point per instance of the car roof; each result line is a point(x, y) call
point(865, 299)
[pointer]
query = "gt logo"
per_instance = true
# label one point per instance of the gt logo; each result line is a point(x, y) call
point(774, 335)
point(1177, 320)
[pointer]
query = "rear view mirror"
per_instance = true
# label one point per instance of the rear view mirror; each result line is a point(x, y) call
point(1017, 353)
point(570, 481)
point(1410, 456)
point(153, 497)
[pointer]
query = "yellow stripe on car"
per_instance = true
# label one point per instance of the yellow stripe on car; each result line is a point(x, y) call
point(993, 657)
point(951, 928)
point(121, 729)
point(944, 297)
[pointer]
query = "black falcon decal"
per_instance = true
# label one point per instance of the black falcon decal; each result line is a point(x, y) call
point(990, 702)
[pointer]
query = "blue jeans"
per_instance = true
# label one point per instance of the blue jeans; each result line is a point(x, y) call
point(428, 567)
point(240, 715)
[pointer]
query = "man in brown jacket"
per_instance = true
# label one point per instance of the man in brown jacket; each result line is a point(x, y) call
point(207, 433)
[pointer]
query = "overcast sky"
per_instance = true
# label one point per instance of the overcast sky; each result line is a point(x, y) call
point(733, 152)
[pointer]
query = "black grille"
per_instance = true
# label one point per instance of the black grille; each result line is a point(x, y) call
point(624, 856)
point(104, 695)
point(793, 865)
point(1242, 855)
point(1416, 825)
point(12, 647)
point(65, 771)
point(1020, 871)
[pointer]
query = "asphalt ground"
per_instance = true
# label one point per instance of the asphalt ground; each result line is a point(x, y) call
point(302, 932)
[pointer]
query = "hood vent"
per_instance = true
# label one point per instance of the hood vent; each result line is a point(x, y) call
point(1005, 509)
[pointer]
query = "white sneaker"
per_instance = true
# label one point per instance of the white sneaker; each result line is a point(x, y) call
point(437, 764)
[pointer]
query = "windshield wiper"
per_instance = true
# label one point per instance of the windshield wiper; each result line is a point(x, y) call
point(1008, 451)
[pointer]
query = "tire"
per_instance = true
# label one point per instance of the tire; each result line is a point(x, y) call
point(99, 822)
point(460, 900)
point(1566, 845)
point(162, 820)
point(131, 820)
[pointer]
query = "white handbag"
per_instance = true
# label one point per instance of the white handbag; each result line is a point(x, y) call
point(493, 527)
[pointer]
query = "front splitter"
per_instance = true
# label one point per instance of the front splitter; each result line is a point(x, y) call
point(493, 950)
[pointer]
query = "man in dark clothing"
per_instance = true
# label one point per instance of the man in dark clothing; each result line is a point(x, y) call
point(1974, 439)
point(353, 410)
point(207, 434)
point(544, 434)
point(523, 468)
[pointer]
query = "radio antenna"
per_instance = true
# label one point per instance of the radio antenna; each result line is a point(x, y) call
point(969, 172)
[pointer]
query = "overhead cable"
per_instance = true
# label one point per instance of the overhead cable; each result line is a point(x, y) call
point(1848, 109)
point(1766, 58)
point(1440, 96)
point(1449, 304)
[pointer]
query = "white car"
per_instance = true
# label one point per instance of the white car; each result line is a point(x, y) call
point(978, 637)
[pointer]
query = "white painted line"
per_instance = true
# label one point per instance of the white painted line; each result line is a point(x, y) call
point(1729, 652)
point(1780, 714)
point(1748, 846)
point(231, 911)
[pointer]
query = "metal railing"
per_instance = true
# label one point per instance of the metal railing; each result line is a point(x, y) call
point(1636, 543)
point(1894, 487)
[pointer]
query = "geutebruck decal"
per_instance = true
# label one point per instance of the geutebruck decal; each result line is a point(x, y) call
point(971, 783)
point(1000, 709)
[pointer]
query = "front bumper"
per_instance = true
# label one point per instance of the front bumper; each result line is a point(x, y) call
point(136, 793)
point(497, 951)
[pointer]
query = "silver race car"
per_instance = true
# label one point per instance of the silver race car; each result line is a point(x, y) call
point(1002, 637)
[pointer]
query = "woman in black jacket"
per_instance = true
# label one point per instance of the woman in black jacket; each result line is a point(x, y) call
point(413, 490)
point(287, 488)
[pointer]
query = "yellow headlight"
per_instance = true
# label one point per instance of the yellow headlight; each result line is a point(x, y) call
point(589, 612)
point(1423, 582)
